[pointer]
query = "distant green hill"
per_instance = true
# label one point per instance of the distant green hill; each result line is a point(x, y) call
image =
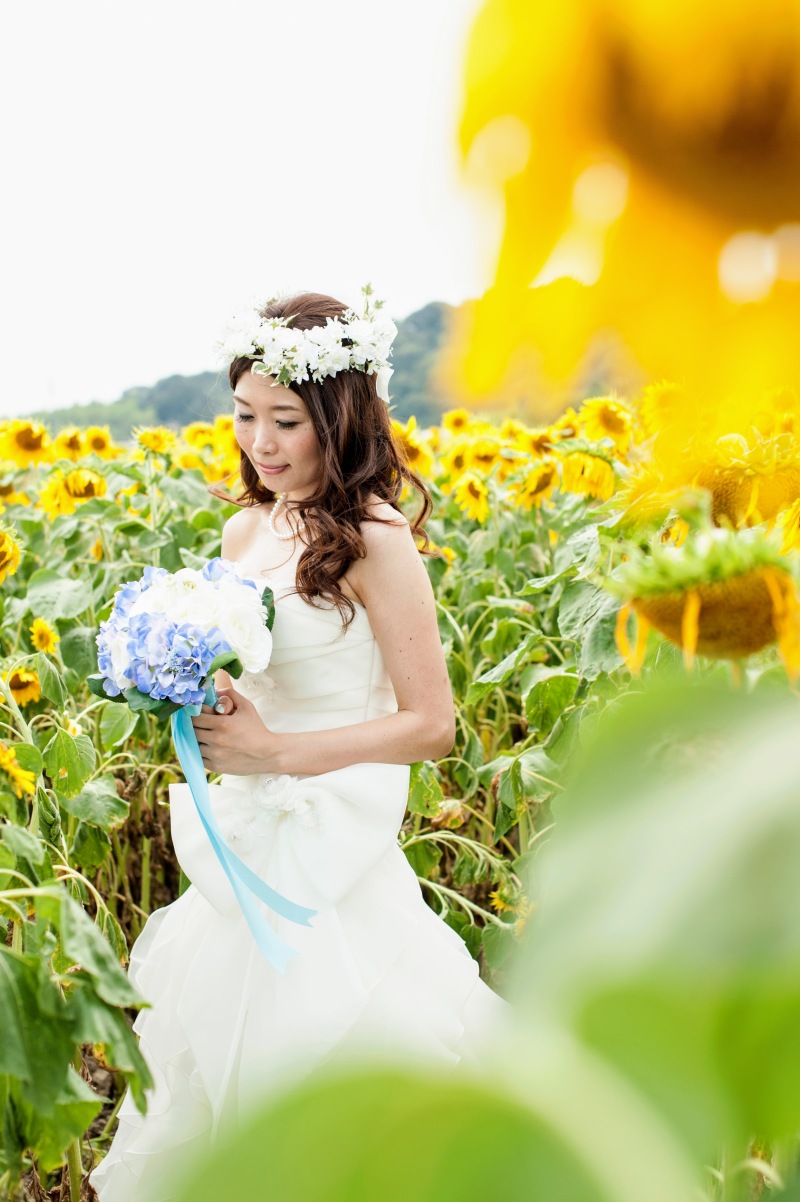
point(177, 400)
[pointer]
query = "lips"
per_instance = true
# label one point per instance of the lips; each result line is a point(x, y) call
point(271, 469)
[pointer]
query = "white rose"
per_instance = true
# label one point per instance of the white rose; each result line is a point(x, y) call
point(248, 636)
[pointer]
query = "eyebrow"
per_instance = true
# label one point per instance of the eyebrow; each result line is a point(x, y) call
point(291, 408)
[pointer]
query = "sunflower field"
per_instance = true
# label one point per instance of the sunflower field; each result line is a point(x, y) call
point(570, 563)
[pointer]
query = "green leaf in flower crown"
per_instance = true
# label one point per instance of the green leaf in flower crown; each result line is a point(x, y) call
point(228, 660)
point(50, 679)
point(69, 761)
point(98, 803)
point(116, 724)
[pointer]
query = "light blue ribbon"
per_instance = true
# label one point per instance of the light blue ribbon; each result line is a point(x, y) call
point(244, 881)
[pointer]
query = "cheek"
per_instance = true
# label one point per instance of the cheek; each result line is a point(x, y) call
point(243, 434)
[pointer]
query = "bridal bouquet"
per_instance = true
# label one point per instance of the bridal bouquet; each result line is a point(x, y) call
point(166, 636)
point(169, 632)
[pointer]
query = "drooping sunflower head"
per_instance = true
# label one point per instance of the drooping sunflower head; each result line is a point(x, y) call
point(63, 492)
point(589, 475)
point(535, 486)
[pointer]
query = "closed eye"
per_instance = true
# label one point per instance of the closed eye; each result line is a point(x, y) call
point(286, 425)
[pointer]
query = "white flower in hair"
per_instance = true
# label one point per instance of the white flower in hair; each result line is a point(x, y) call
point(355, 342)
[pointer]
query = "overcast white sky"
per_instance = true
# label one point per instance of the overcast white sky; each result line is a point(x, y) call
point(165, 162)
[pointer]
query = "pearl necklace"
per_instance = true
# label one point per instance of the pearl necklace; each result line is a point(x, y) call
point(271, 521)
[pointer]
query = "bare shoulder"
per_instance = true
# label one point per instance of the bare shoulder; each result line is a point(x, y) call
point(389, 527)
point(237, 531)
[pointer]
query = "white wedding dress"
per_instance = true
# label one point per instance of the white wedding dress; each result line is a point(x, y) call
point(378, 972)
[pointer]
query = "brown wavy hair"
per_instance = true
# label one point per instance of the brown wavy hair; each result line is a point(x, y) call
point(361, 458)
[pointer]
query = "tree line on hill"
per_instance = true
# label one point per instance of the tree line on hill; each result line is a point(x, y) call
point(177, 400)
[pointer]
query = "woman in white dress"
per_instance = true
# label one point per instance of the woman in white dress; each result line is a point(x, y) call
point(314, 756)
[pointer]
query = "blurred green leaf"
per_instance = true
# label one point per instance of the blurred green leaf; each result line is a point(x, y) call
point(98, 803)
point(69, 761)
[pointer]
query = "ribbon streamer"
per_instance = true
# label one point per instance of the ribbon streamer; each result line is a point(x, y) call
point(244, 881)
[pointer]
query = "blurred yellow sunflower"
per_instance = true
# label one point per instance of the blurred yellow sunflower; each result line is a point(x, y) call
point(98, 440)
point(606, 417)
point(199, 435)
point(24, 685)
point(68, 444)
point(22, 780)
point(64, 492)
point(536, 485)
point(10, 554)
point(44, 636)
point(588, 475)
point(413, 446)
point(484, 454)
point(157, 439)
point(472, 497)
point(25, 443)
point(457, 421)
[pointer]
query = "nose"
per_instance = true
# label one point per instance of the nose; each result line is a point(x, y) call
point(265, 442)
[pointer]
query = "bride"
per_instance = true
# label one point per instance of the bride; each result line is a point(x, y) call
point(314, 756)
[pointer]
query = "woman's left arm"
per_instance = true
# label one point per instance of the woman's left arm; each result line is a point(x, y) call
point(394, 586)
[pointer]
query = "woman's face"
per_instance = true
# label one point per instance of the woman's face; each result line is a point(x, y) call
point(274, 430)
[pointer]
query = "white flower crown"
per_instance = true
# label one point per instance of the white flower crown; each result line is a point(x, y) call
point(356, 341)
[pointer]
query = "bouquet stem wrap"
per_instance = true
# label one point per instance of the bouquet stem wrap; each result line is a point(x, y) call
point(244, 882)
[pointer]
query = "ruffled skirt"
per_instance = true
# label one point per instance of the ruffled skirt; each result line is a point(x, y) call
point(378, 974)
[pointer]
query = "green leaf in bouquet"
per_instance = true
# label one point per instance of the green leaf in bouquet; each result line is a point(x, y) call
point(69, 761)
point(96, 685)
point(116, 724)
point(51, 680)
point(143, 702)
point(52, 595)
point(90, 847)
point(228, 660)
point(424, 791)
point(98, 803)
point(79, 650)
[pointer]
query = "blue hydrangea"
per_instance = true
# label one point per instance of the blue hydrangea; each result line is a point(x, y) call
point(170, 661)
point(216, 569)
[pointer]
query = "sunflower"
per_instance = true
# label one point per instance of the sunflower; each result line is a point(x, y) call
point(44, 636)
point(25, 443)
point(96, 550)
point(457, 421)
point(22, 780)
point(605, 417)
point(24, 685)
point(63, 492)
point(8, 492)
point(536, 486)
point(68, 444)
point(484, 454)
point(157, 439)
point(10, 554)
point(189, 460)
point(535, 442)
point(454, 462)
point(413, 446)
point(723, 593)
point(199, 435)
point(587, 474)
point(472, 497)
point(99, 441)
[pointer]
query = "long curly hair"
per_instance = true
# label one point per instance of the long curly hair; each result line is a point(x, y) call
point(361, 459)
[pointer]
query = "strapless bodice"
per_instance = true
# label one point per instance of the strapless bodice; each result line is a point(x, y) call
point(318, 676)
